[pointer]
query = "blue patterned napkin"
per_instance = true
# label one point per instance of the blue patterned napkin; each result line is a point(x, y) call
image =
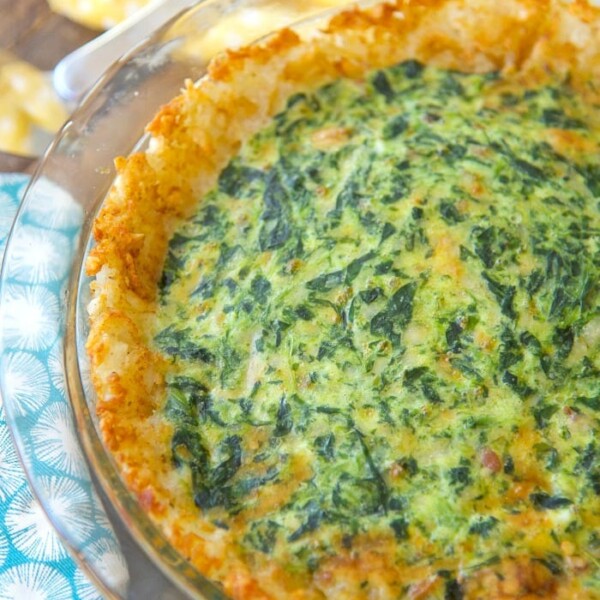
point(33, 561)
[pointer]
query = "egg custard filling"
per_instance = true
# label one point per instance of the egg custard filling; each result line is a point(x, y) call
point(382, 331)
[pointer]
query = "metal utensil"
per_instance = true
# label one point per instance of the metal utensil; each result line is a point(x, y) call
point(75, 74)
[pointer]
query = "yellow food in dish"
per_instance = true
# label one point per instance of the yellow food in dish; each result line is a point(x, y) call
point(97, 14)
point(103, 14)
point(27, 102)
point(344, 327)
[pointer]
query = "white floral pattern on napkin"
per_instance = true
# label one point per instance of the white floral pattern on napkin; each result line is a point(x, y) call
point(33, 561)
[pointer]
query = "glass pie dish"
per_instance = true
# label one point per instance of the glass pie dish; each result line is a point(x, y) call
point(44, 294)
point(433, 308)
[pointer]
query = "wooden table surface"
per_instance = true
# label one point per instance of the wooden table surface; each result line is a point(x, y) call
point(32, 32)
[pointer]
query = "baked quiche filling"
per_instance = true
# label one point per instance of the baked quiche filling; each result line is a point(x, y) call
point(383, 331)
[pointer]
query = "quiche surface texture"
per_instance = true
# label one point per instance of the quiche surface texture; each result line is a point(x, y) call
point(345, 332)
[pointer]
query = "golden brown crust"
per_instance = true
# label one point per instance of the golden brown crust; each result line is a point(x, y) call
point(193, 137)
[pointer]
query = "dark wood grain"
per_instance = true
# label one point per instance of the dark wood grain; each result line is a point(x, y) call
point(32, 32)
point(10, 163)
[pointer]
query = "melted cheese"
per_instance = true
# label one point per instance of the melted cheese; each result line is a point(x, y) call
point(382, 334)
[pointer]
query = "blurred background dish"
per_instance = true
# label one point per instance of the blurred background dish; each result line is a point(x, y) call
point(32, 40)
point(28, 107)
point(30, 110)
point(97, 14)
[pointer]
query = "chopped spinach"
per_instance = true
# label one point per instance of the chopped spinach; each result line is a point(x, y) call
point(411, 69)
point(504, 295)
point(544, 501)
point(315, 321)
point(326, 282)
point(371, 294)
point(450, 213)
point(510, 350)
point(274, 234)
point(400, 528)
point(513, 382)
point(354, 268)
point(397, 314)
point(592, 403)
point(460, 477)
point(382, 85)
point(527, 168)
point(400, 305)
point(394, 127)
point(177, 343)
point(263, 536)
point(260, 288)
point(453, 590)
point(542, 414)
point(285, 421)
point(554, 117)
point(453, 333)
point(314, 519)
point(235, 178)
point(325, 446)
point(483, 526)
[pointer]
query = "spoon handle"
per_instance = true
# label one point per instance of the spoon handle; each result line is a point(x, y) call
point(75, 74)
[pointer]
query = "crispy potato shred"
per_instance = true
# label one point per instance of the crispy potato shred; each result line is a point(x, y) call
point(192, 139)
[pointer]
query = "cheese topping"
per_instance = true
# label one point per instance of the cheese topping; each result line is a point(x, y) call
point(383, 331)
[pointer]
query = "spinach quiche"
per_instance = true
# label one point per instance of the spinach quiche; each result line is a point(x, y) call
point(345, 327)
